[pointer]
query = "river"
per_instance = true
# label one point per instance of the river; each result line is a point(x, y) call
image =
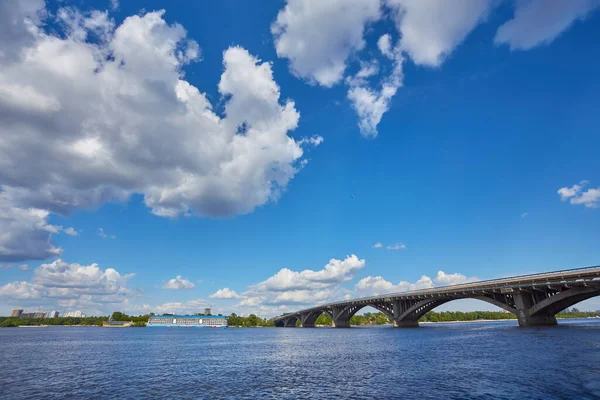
point(482, 360)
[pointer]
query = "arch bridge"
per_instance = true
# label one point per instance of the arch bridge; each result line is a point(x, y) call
point(535, 299)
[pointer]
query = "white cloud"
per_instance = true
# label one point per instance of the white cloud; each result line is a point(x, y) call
point(575, 194)
point(111, 117)
point(252, 301)
point(24, 267)
point(25, 233)
point(302, 297)
point(18, 20)
point(317, 37)
point(225, 293)
point(370, 104)
point(430, 29)
point(60, 284)
point(397, 246)
point(178, 283)
point(114, 5)
point(376, 285)
point(443, 279)
point(70, 231)
point(539, 22)
point(20, 291)
point(191, 307)
point(314, 140)
point(104, 235)
point(385, 45)
point(335, 272)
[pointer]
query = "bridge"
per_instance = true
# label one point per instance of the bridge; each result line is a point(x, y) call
point(535, 299)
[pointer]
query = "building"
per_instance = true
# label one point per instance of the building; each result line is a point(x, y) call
point(207, 311)
point(53, 314)
point(74, 314)
point(17, 312)
point(37, 314)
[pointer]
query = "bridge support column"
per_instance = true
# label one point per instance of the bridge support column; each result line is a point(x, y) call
point(523, 303)
point(536, 320)
point(406, 323)
point(340, 317)
point(341, 323)
point(306, 321)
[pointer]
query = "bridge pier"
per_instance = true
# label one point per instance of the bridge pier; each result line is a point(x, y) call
point(341, 323)
point(536, 320)
point(524, 303)
point(406, 323)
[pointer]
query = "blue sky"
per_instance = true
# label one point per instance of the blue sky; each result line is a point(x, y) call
point(233, 146)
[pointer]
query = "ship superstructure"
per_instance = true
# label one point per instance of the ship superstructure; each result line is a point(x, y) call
point(187, 321)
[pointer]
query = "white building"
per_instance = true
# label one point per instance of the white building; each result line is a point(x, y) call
point(53, 314)
point(74, 314)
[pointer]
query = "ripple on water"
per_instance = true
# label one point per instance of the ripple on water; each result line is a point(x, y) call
point(450, 361)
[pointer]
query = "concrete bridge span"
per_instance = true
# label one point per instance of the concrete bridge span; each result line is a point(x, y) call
point(535, 299)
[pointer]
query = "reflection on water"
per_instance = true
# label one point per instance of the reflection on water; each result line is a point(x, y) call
point(451, 361)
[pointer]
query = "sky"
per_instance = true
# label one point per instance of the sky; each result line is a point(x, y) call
point(261, 158)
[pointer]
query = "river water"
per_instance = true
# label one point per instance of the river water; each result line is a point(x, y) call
point(495, 360)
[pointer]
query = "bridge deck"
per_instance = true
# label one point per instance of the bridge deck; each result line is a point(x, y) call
point(562, 277)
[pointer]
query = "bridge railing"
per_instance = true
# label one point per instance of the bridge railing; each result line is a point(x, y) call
point(488, 283)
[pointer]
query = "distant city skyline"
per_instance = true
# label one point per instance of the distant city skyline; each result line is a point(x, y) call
point(261, 159)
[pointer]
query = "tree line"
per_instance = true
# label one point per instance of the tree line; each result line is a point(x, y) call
point(324, 319)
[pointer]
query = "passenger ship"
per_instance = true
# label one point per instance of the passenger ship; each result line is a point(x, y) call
point(187, 321)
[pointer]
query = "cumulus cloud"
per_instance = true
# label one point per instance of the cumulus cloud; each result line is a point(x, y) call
point(302, 297)
point(430, 30)
point(576, 195)
point(320, 39)
point(369, 102)
point(178, 283)
point(70, 231)
point(317, 37)
point(376, 285)
point(61, 284)
point(224, 293)
point(334, 272)
point(293, 288)
point(18, 26)
point(190, 307)
point(25, 233)
point(539, 22)
point(385, 45)
point(106, 112)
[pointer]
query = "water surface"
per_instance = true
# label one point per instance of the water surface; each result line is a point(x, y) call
point(435, 361)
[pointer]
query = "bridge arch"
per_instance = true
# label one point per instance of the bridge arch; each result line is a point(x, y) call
point(562, 300)
point(342, 315)
point(309, 319)
point(411, 315)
